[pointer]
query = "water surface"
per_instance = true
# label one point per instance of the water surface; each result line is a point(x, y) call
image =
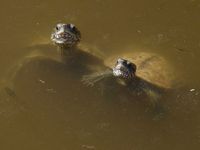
point(49, 109)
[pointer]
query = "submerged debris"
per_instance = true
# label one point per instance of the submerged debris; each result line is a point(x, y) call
point(192, 90)
point(10, 92)
point(50, 90)
point(41, 81)
point(89, 147)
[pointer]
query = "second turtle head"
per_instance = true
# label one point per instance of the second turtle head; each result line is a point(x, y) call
point(124, 69)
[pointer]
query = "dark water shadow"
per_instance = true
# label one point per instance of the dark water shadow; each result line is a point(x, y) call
point(47, 74)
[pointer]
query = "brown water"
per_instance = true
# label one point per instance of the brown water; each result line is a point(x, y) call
point(50, 110)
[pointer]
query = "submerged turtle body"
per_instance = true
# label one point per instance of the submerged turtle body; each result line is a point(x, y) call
point(146, 76)
point(136, 68)
point(150, 67)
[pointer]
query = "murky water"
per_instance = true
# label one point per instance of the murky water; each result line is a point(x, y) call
point(50, 109)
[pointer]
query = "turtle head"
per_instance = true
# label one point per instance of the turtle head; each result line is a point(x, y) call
point(66, 35)
point(124, 69)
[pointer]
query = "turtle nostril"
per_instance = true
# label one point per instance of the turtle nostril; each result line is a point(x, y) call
point(62, 35)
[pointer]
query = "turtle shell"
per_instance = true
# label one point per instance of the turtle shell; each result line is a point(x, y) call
point(150, 67)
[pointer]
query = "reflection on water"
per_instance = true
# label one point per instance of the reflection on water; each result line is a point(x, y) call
point(49, 107)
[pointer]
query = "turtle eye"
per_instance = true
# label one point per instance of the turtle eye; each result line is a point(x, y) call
point(70, 26)
point(73, 28)
point(132, 67)
point(124, 62)
point(129, 64)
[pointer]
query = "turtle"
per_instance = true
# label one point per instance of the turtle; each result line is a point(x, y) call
point(64, 49)
point(49, 68)
point(141, 73)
